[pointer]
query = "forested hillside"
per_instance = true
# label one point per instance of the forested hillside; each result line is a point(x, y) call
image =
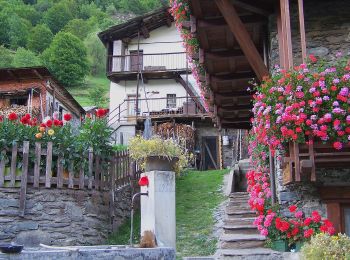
point(62, 35)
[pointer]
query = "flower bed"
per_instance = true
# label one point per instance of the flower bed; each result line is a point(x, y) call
point(309, 102)
point(69, 143)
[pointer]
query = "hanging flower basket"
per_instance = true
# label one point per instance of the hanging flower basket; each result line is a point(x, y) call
point(280, 245)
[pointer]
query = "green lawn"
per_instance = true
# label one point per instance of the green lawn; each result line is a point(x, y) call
point(81, 93)
point(197, 195)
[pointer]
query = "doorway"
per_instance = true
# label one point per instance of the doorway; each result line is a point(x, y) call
point(136, 60)
point(210, 153)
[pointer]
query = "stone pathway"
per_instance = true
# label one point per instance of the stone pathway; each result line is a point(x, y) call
point(240, 239)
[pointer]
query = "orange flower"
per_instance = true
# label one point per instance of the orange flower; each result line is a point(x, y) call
point(38, 135)
point(42, 129)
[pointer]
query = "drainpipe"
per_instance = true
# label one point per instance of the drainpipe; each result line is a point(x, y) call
point(272, 177)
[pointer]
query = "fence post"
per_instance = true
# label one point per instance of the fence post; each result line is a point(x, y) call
point(37, 164)
point(23, 192)
point(71, 174)
point(48, 165)
point(91, 163)
point(13, 164)
point(97, 172)
point(2, 168)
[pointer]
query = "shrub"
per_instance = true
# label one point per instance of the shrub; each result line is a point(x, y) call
point(141, 148)
point(325, 247)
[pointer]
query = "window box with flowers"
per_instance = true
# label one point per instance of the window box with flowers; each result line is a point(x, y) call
point(304, 113)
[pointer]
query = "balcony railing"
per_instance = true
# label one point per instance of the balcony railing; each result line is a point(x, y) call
point(148, 62)
point(130, 109)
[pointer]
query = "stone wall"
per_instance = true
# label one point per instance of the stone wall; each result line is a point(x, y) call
point(61, 216)
point(327, 26)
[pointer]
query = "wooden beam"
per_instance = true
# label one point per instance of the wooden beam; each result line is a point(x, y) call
point(145, 32)
point(302, 30)
point(196, 7)
point(242, 125)
point(232, 76)
point(242, 37)
point(221, 22)
point(286, 34)
point(37, 74)
point(233, 108)
point(223, 54)
point(251, 7)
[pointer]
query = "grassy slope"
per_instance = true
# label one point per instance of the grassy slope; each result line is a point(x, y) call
point(197, 195)
point(81, 93)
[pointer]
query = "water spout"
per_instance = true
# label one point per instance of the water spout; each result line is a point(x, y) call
point(132, 214)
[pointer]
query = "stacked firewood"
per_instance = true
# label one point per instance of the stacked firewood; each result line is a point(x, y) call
point(183, 134)
point(19, 110)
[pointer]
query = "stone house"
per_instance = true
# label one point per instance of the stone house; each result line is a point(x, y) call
point(35, 91)
point(241, 41)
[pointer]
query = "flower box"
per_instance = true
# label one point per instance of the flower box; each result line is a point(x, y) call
point(301, 160)
point(160, 163)
point(280, 245)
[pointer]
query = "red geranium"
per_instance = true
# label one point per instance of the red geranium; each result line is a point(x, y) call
point(12, 116)
point(67, 117)
point(308, 233)
point(292, 208)
point(57, 122)
point(1, 118)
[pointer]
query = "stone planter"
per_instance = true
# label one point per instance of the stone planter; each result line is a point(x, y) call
point(160, 163)
point(280, 245)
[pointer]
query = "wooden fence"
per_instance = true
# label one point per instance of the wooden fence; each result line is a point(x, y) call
point(22, 166)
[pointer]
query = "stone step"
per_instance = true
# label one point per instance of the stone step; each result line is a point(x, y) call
point(249, 254)
point(240, 213)
point(239, 194)
point(237, 241)
point(199, 258)
point(240, 229)
point(239, 221)
point(238, 206)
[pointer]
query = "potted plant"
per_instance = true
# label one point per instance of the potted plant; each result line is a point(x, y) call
point(157, 154)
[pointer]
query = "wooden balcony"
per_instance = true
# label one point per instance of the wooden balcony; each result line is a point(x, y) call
point(302, 160)
point(152, 66)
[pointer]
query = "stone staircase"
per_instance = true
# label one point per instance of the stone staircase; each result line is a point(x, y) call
point(240, 239)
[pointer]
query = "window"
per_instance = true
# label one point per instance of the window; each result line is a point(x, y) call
point(171, 100)
point(346, 218)
point(19, 101)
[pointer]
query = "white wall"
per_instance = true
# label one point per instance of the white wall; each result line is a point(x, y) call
point(164, 40)
point(153, 88)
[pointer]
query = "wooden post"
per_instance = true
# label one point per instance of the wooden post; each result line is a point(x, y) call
point(70, 177)
point(37, 165)
point(2, 169)
point(13, 164)
point(272, 178)
point(286, 33)
point(81, 177)
point(48, 165)
point(302, 30)
point(97, 172)
point(91, 163)
point(24, 177)
point(296, 162)
point(59, 172)
point(243, 38)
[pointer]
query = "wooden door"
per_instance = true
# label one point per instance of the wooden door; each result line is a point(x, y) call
point(136, 60)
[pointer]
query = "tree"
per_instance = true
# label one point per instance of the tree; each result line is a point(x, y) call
point(96, 54)
point(18, 31)
point(97, 96)
point(67, 59)
point(78, 27)
point(139, 6)
point(40, 38)
point(57, 17)
point(6, 57)
point(25, 58)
